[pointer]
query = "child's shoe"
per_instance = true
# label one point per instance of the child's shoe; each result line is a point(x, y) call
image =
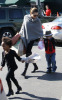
point(10, 93)
point(48, 70)
point(53, 70)
point(18, 90)
point(34, 70)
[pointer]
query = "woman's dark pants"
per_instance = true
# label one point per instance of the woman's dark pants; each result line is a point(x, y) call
point(28, 53)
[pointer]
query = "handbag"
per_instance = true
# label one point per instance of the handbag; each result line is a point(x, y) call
point(15, 38)
point(21, 48)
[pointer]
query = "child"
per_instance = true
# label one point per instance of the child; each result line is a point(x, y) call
point(50, 52)
point(8, 57)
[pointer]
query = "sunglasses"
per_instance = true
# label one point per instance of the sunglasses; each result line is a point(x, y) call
point(35, 15)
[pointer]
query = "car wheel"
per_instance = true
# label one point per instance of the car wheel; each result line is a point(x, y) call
point(6, 33)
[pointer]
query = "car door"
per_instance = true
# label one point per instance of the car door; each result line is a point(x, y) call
point(26, 10)
point(16, 17)
point(3, 16)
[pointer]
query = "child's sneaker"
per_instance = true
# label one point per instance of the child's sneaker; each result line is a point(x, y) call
point(18, 90)
point(53, 70)
point(48, 70)
point(10, 93)
point(34, 70)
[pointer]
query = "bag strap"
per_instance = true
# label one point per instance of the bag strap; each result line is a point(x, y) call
point(26, 40)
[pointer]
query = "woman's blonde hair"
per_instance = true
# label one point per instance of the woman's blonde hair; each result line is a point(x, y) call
point(33, 10)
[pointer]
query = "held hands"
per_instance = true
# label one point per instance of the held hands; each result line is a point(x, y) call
point(1, 69)
point(22, 61)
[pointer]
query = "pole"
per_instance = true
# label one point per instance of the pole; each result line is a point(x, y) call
point(39, 7)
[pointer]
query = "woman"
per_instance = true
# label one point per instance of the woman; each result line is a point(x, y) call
point(31, 32)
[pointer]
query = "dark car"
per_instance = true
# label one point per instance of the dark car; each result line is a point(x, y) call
point(11, 19)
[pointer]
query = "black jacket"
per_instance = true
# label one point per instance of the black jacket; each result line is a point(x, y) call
point(51, 43)
point(9, 59)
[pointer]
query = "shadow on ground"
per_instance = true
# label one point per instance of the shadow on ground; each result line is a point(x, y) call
point(50, 77)
point(32, 96)
point(58, 44)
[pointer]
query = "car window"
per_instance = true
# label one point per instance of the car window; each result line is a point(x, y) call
point(27, 11)
point(2, 14)
point(58, 19)
point(15, 14)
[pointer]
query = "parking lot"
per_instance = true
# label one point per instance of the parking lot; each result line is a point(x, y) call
point(39, 85)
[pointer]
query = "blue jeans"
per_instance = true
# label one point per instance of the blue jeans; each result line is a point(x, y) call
point(51, 63)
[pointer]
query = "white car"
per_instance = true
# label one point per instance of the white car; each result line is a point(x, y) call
point(55, 27)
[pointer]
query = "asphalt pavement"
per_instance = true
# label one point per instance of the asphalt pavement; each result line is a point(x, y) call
point(39, 85)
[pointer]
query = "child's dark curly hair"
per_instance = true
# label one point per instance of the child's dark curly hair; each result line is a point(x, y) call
point(7, 41)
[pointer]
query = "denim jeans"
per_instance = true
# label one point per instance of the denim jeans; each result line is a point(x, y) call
point(51, 63)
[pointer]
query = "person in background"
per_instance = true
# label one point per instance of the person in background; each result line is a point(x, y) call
point(8, 57)
point(48, 11)
point(50, 52)
point(32, 32)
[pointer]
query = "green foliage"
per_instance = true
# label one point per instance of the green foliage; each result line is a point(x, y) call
point(23, 2)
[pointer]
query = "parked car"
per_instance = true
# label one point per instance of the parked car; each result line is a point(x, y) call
point(55, 27)
point(45, 19)
point(11, 19)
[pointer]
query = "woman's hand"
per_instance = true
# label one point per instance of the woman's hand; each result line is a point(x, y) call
point(41, 39)
point(22, 61)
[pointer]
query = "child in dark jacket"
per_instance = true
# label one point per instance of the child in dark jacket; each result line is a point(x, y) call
point(8, 57)
point(49, 43)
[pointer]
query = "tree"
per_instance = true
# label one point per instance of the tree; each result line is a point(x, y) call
point(23, 2)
